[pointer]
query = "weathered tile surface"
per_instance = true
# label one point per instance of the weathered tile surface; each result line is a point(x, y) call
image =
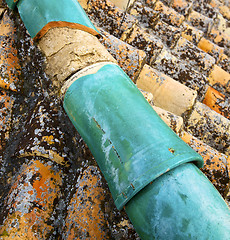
point(217, 101)
point(6, 105)
point(219, 76)
point(167, 33)
point(167, 93)
point(9, 63)
point(85, 214)
point(173, 121)
point(140, 39)
point(224, 63)
point(180, 71)
point(220, 38)
point(210, 127)
point(146, 16)
point(224, 9)
point(200, 21)
point(181, 6)
point(130, 59)
point(42, 135)
point(123, 4)
point(215, 163)
point(168, 15)
point(205, 8)
point(31, 200)
point(210, 48)
point(109, 17)
point(70, 50)
point(191, 33)
point(95, 214)
point(188, 52)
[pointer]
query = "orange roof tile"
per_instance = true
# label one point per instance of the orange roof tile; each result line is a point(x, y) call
point(31, 201)
point(217, 101)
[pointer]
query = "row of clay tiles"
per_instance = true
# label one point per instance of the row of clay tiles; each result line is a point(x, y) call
point(162, 19)
point(133, 60)
point(180, 95)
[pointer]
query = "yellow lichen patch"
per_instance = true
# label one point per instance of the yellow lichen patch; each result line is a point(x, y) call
point(215, 163)
point(9, 63)
point(49, 154)
point(48, 139)
point(30, 202)
point(85, 218)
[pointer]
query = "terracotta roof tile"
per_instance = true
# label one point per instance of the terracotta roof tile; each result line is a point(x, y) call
point(110, 17)
point(215, 163)
point(188, 52)
point(130, 59)
point(219, 76)
point(9, 63)
point(168, 15)
point(220, 38)
point(31, 200)
point(151, 3)
point(168, 34)
point(224, 63)
point(122, 4)
point(144, 14)
point(172, 120)
point(2, 10)
point(167, 93)
point(181, 6)
point(210, 127)
point(180, 71)
point(85, 216)
point(217, 101)
point(142, 40)
point(205, 9)
point(200, 21)
point(166, 2)
point(210, 48)
point(146, 27)
point(221, 23)
point(224, 9)
point(192, 34)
